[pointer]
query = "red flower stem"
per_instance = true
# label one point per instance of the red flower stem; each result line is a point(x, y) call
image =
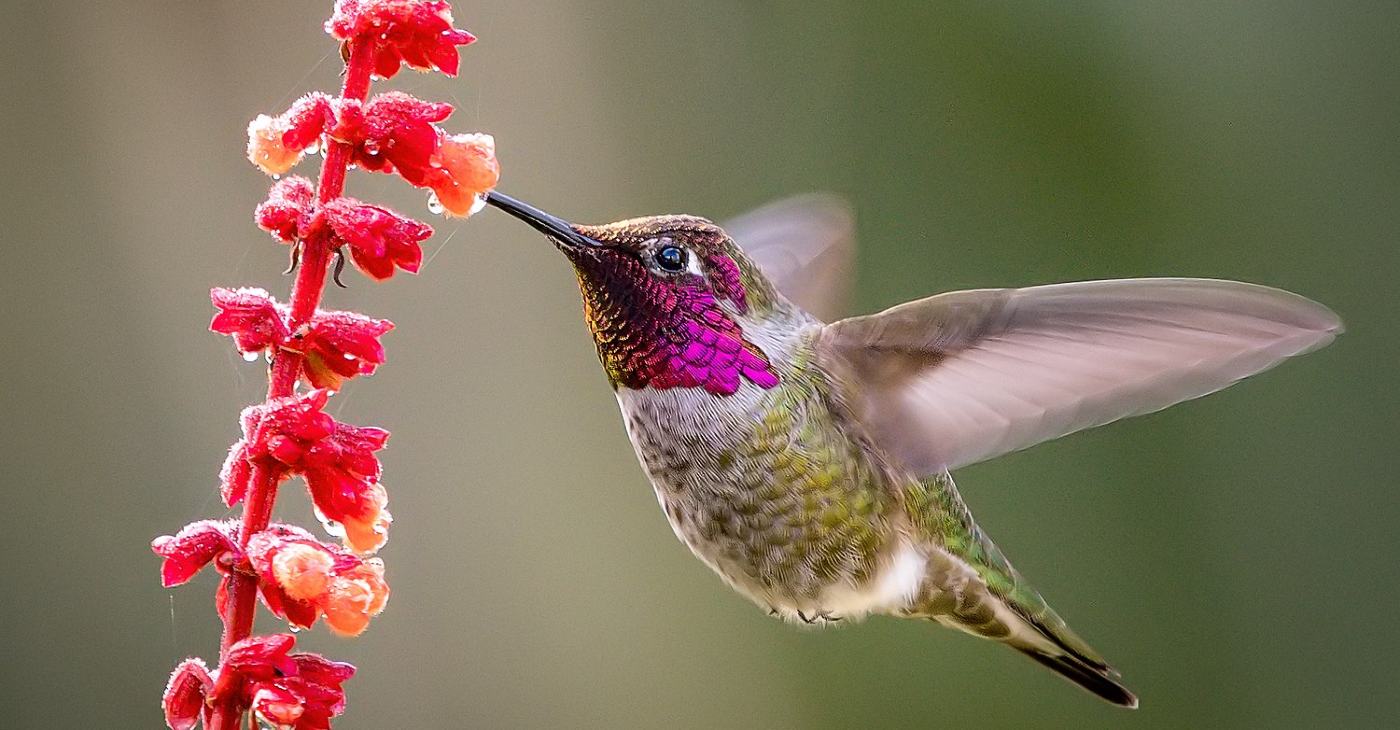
point(310, 283)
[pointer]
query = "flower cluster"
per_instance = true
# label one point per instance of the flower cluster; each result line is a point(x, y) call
point(285, 690)
point(293, 435)
point(335, 345)
point(298, 577)
point(391, 133)
point(301, 578)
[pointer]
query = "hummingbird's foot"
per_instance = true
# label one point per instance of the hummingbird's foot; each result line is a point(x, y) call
point(818, 617)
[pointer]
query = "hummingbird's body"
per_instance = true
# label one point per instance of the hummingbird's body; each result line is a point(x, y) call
point(808, 463)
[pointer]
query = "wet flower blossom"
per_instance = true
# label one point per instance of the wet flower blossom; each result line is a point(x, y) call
point(340, 345)
point(397, 133)
point(276, 144)
point(251, 316)
point(196, 545)
point(392, 132)
point(293, 435)
point(416, 32)
point(303, 578)
point(287, 211)
point(183, 701)
point(464, 168)
point(380, 240)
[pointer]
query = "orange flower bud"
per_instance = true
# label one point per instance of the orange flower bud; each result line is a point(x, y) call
point(303, 570)
point(467, 167)
point(353, 597)
point(265, 147)
point(368, 532)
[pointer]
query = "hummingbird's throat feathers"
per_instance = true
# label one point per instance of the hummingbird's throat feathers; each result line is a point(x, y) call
point(668, 330)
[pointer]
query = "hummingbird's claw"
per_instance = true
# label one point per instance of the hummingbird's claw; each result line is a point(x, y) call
point(818, 617)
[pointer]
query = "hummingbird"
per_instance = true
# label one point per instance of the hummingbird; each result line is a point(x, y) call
point(808, 462)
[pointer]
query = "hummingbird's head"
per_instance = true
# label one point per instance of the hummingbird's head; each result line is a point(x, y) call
point(667, 298)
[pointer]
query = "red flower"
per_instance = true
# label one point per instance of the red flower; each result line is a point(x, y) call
point(288, 208)
point(315, 688)
point(343, 477)
point(251, 316)
point(261, 657)
point(193, 547)
point(463, 169)
point(379, 238)
point(303, 578)
point(235, 474)
point(299, 691)
point(392, 132)
point(294, 435)
point(416, 32)
point(396, 132)
point(276, 144)
point(340, 345)
point(183, 700)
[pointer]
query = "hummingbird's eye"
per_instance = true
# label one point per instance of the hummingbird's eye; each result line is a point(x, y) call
point(670, 258)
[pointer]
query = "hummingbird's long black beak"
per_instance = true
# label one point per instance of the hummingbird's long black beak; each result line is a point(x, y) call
point(556, 228)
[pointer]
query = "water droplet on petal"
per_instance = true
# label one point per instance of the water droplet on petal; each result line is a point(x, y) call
point(315, 148)
point(276, 177)
point(294, 628)
point(251, 356)
point(478, 202)
point(435, 206)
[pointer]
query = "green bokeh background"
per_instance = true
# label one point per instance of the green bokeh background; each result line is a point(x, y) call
point(1236, 557)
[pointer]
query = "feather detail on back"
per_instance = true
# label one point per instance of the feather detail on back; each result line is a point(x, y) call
point(965, 376)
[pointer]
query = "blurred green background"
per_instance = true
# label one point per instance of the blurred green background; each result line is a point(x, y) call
point(1236, 557)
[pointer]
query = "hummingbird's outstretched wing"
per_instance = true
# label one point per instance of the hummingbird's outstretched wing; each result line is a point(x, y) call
point(805, 245)
point(965, 376)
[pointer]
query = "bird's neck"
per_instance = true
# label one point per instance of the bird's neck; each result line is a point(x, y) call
point(689, 340)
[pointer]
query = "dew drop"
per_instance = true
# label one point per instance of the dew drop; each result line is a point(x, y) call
point(294, 628)
point(250, 356)
point(315, 148)
point(435, 206)
point(276, 177)
point(478, 202)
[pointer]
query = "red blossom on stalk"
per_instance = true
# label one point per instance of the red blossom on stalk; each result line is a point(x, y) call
point(419, 34)
point(336, 345)
point(303, 579)
point(380, 239)
point(298, 577)
point(299, 691)
point(393, 132)
point(276, 144)
point(196, 545)
point(398, 133)
point(286, 213)
point(340, 345)
point(293, 435)
point(185, 693)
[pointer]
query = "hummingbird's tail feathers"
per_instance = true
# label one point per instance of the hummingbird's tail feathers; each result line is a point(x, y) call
point(972, 587)
point(1094, 677)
